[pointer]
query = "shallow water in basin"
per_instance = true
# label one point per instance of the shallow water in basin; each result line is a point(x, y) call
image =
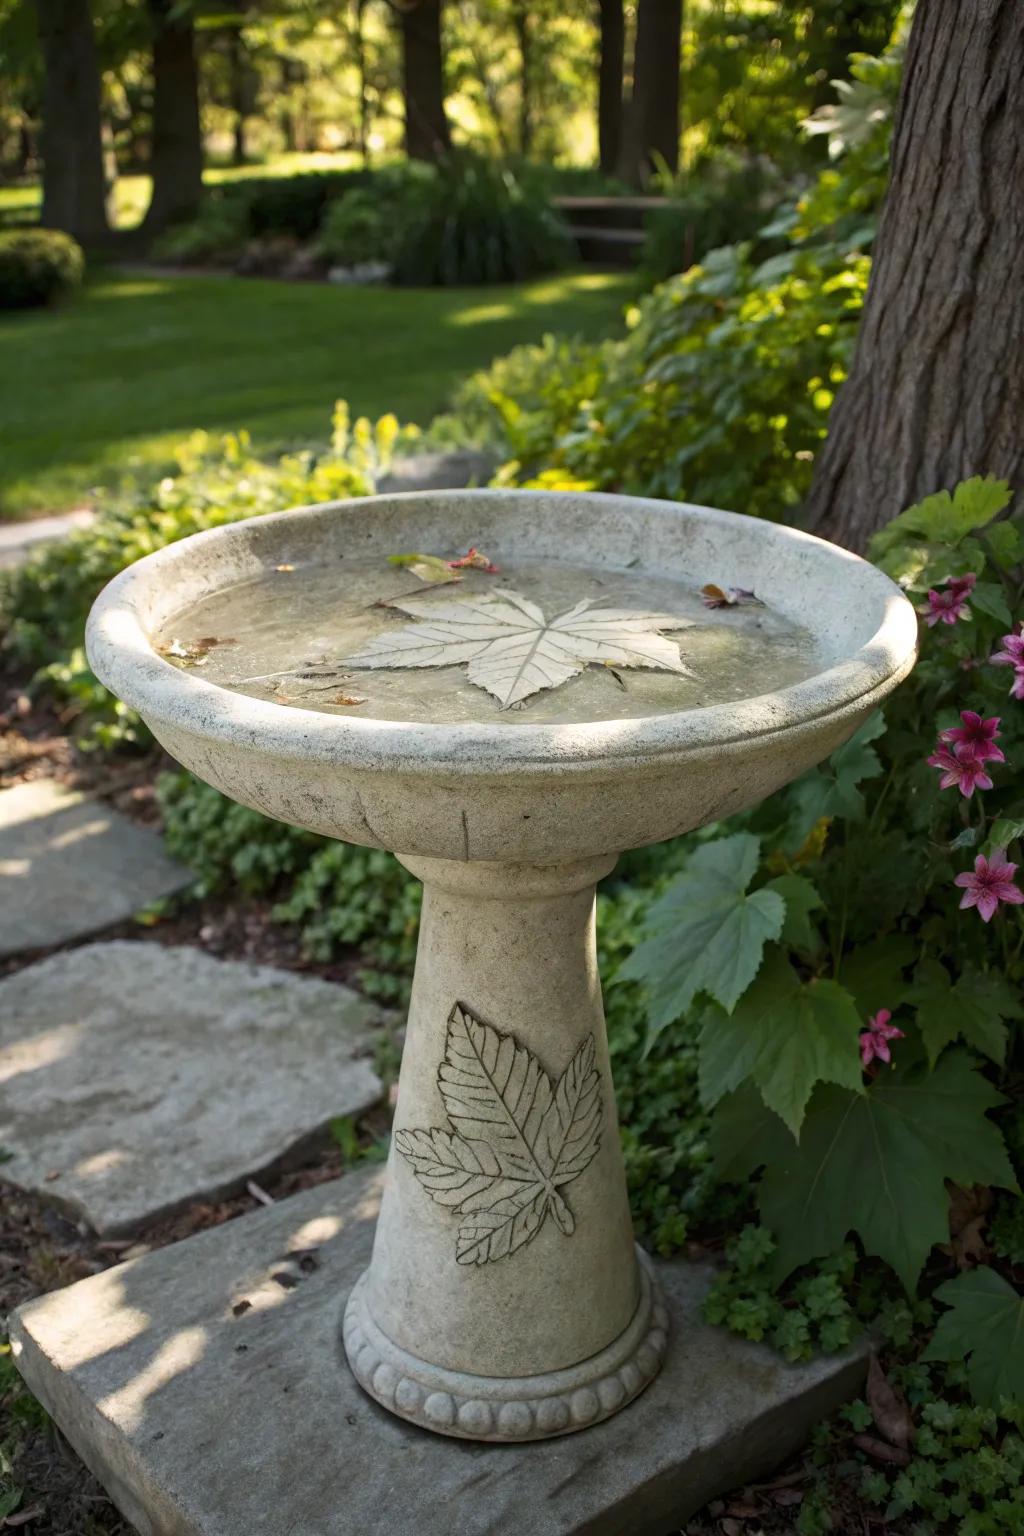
point(286, 637)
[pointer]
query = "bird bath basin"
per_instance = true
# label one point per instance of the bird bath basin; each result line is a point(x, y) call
point(506, 737)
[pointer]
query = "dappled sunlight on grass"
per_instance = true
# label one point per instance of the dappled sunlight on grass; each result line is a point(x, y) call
point(115, 378)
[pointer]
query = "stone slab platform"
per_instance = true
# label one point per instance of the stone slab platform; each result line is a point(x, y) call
point(135, 1077)
point(71, 866)
point(206, 1417)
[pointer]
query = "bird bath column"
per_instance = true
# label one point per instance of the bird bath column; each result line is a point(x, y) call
point(505, 1299)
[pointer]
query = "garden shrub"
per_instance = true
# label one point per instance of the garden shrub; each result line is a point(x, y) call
point(216, 237)
point(358, 228)
point(721, 200)
point(291, 205)
point(721, 390)
point(37, 266)
point(44, 603)
point(475, 222)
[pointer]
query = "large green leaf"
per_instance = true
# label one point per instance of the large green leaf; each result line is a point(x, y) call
point(874, 973)
point(973, 1009)
point(874, 1163)
point(985, 1326)
point(786, 1035)
point(946, 519)
point(801, 900)
point(832, 790)
point(705, 933)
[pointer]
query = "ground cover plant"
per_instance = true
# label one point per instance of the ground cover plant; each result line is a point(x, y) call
point(139, 361)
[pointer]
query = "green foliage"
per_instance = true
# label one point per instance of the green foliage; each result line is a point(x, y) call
point(811, 1316)
point(474, 222)
point(720, 200)
point(217, 236)
point(785, 1035)
point(37, 266)
point(706, 933)
point(358, 228)
point(874, 1161)
point(985, 1326)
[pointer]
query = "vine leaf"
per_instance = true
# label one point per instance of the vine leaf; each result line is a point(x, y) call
point(517, 1140)
point(513, 651)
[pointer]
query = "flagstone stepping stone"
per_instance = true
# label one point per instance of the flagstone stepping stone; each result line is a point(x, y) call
point(137, 1077)
point(71, 866)
point(212, 1398)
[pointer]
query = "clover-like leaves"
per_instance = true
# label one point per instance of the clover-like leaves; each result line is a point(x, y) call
point(513, 651)
point(518, 1139)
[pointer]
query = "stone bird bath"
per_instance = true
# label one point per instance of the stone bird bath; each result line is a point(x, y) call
point(506, 737)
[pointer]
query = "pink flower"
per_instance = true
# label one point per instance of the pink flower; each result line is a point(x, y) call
point(874, 1041)
point(951, 604)
point(961, 768)
point(1012, 655)
point(976, 736)
point(991, 883)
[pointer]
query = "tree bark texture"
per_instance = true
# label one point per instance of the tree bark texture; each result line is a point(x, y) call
point(936, 388)
point(652, 125)
point(177, 156)
point(74, 187)
point(427, 134)
point(611, 63)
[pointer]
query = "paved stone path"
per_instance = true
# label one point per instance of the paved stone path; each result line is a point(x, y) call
point(205, 1386)
point(138, 1077)
point(18, 540)
point(71, 866)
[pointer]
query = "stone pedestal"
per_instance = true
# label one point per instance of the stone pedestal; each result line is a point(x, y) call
point(505, 1300)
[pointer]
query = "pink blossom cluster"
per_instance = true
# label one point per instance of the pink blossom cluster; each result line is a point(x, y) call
point(949, 605)
point(1012, 655)
point(874, 1041)
point(962, 752)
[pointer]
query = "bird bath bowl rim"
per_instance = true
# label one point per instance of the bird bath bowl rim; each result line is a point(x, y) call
point(123, 655)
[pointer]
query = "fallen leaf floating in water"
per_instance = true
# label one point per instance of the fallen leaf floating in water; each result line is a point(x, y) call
point(429, 568)
point(350, 700)
point(513, 651)
point(192, 653)
point(714, 596)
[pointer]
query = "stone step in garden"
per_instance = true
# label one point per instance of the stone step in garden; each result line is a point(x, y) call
point(138, 1077)
point(206, 1387)
point(71, 866)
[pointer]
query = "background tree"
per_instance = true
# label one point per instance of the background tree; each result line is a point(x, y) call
point(610, 66)
point(176, 159)
point(74, 187)
point(936, 388)
point(427, 134)
point(651, 136)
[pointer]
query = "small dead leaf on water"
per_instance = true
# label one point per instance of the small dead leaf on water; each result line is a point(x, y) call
point(475, 560)
point(714, 596)
point(429, 568)
point(192, 653)
point(349, 700)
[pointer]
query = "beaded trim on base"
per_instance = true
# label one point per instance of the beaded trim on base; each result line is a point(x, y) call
point(508, 1408)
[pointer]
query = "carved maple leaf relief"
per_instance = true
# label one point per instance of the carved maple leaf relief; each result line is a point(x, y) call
point(518, 1139)
point(513, 651)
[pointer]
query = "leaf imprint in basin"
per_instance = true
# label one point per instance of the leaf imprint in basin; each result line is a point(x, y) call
point(517, 1140)
point(511, 648)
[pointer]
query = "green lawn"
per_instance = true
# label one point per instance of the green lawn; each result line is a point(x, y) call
point(135, 362)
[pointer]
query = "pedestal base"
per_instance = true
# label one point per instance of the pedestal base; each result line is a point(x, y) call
point(508, 1408)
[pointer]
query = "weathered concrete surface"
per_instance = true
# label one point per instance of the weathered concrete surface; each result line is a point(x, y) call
point(201, 1422)
point(71, 866)
point(19, 540)
point(137, 1076)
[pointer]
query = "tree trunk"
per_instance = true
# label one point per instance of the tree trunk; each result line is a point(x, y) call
point(936, 389)
point(177, 157)
point(74, 187)
point(524, 40)
point(610, 67)
point(359, 41)
point(240, 94)
point(652, 126)
point(427, 135)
